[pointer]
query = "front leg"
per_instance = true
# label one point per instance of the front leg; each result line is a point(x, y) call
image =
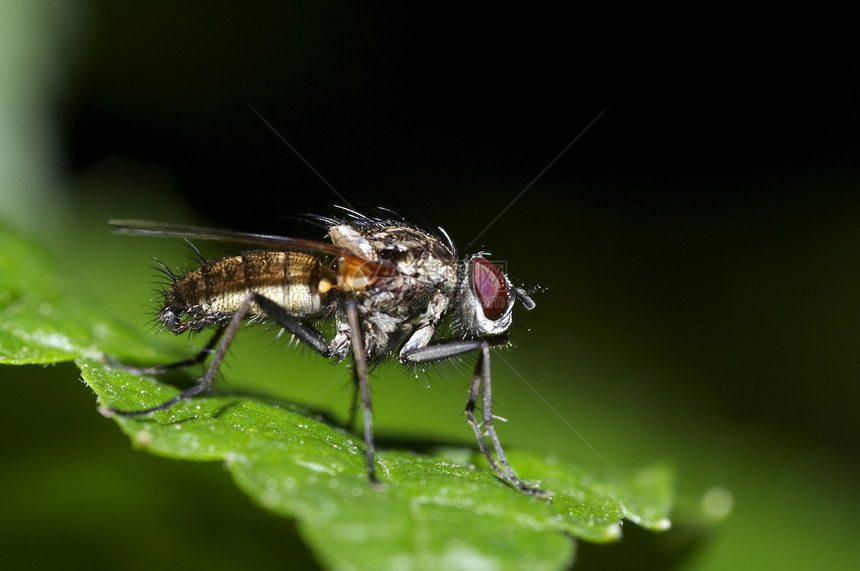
point(447, 349)
point(480, 382)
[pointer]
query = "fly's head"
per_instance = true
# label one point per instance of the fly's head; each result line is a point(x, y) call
point(486, 298)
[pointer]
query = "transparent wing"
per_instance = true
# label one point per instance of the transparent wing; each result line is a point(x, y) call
point(355, 271)
point(168, 230)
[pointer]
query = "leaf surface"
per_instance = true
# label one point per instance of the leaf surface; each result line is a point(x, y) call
point(444, 509)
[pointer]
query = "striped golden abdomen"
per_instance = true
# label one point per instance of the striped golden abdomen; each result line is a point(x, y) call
point(296, 281)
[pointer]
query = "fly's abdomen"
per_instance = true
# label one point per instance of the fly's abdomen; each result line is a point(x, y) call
point(211, 294)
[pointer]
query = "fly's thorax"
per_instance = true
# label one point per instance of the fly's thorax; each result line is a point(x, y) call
point(409, 250)
point(415, 293)
point(422, 274)
point(426, 292)
point(391, 316)
point(212, 293)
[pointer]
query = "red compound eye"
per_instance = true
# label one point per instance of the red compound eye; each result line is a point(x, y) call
point(490, 287)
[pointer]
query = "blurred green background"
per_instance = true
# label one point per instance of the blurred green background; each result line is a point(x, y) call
point(697, 247)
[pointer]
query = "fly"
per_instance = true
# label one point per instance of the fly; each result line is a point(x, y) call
point(387, 285)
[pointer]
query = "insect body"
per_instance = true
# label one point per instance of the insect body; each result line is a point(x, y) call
point(387, 285)
point(211, 294)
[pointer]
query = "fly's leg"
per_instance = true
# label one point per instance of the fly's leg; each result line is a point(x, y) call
point(482, 378)
point(359, 357)
point(306, 333)
point(480, 382)
point(303, 331)
point(482, 372)
point(473, 422)
point(205, 382)
point(350, 421)
point(159, 369)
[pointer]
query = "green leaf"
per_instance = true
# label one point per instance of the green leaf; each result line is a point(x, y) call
point(443, 509)
point(40, 322)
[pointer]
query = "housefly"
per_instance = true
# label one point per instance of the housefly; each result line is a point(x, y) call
point(388, 286)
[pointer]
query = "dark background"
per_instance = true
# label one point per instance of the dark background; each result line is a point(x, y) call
point(393, 102)
point(697, 244)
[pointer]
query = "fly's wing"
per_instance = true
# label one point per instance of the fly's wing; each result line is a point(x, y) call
point(354, 272)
